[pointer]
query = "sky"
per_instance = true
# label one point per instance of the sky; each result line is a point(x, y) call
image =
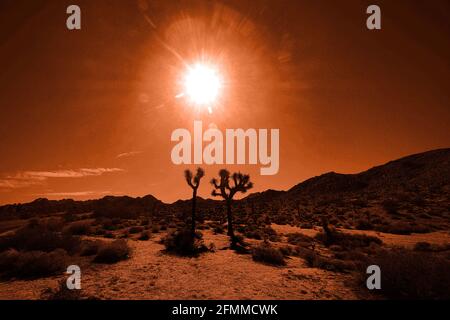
point(90, 112)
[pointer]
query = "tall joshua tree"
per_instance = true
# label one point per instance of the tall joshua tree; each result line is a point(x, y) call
point(194, 182)
point(226, 189)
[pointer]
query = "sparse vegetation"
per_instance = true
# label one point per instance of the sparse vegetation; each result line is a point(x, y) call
point(182, 243)
point(31, 264)
point(413, 275)
point(268, 254)
point(113, 252)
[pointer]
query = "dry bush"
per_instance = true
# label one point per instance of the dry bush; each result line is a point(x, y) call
point(183, 243)
point(90, 247)
point(113, 252)
point(403, 228)
point(267, 254)
point(78, 228)
point(315, 260)
point(346, 240)
point(39, 238)
point(428, 247)
point(135, 229)
point(31, 264)
point(145, 235)
point(299, 239)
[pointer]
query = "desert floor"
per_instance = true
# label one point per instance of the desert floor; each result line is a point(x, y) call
point(152, 274)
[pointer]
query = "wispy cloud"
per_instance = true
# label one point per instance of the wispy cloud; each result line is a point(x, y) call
point(76, 193)
point(128, 154)
point(30, 178)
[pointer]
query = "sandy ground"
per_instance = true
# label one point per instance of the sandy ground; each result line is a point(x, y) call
point(151, 274)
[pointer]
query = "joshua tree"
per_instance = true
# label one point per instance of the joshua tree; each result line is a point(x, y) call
point(222, 188)
point(194, 182)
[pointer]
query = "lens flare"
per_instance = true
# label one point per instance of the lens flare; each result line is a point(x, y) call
point(202, 84)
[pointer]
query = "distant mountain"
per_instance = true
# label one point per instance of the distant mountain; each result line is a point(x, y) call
point(414, 190)
point(424, 171)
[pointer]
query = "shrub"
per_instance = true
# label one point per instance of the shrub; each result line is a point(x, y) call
point(349, 241)
point(299, 239)
point(135, 229)
point(412, 275)
point(89, 247)
point(109, 235)
point(145, 235)
point(218, 229)
point(315, 260)
point(39, 238)
point(31, 264)
point(391, 206)
point(155, 228)
point(79, 228)
point(404, 228)
point(266, 254)
point(113, 252)
point(422, 246)
point(364, 224)
point(183, 243)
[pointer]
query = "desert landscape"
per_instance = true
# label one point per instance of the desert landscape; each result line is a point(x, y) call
point(313, 241)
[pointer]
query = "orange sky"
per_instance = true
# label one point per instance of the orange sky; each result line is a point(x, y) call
point(88, 113)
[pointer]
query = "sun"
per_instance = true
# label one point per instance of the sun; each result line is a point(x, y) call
point(202, 84)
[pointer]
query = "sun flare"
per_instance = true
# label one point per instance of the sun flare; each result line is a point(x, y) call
point(202, 84)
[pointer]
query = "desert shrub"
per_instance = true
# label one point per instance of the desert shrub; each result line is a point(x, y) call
point(299, 239)
point(422, 246)
point(109, 235)
point(31, 264)
point(306, 225)
point(145, 235)
point(155, 228)
point(315, 260)
point(78, 228)
point(218, 229)
point(90, 247)
point(403, 228)
point(348, 241)
point(364, 224)
point(288, 251)
point(113, 252)
point(391, 206)
point(135, 229)
point(412, 275)
point(428, 247)
point(267, 254)
point(183, 243)
point(39, 238)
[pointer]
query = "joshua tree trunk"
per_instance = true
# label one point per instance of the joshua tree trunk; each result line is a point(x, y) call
point(230, 219)
point(194, 203)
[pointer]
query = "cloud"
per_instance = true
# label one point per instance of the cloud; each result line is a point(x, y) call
point(128, 154)
point(30, 178)
point(84, 172)
point(75, 193)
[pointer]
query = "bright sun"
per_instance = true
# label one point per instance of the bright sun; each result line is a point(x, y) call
point(202, 84)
